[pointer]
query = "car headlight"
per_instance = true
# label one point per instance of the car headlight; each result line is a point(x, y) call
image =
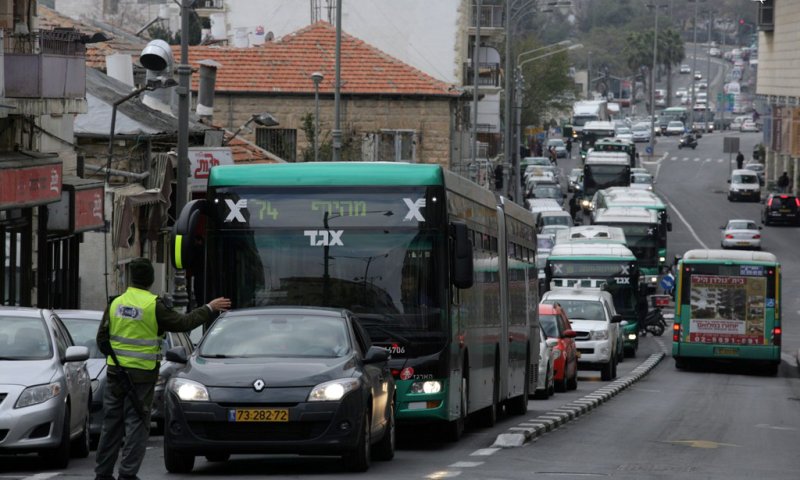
point(38, 394)
point(95, 385)
point(428, 386)
point(333, 390)
point(161, 381)
point(188, 390)
point(599, 334)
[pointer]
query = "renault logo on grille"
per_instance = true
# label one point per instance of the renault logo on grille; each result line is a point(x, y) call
point(258, 385)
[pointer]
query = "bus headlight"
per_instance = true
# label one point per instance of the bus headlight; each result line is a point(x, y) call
point(662, 259)
point(428, 386)
point(653, 279)
point(631, 336)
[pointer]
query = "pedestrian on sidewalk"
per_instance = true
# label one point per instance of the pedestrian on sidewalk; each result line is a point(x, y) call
point(783, 182)
point(739, 160)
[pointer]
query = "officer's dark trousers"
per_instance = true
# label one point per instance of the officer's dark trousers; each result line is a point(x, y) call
point(120, 419)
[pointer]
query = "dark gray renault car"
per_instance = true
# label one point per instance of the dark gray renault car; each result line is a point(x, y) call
point(281, 380)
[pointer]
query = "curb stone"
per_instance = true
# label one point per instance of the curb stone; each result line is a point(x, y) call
point(533, 428)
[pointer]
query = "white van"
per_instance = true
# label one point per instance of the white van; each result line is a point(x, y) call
point(744, 185)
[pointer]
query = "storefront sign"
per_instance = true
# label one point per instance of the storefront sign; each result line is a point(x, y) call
point(29, 186)
point(88, 210)
point(80, 208)
point(202, 159)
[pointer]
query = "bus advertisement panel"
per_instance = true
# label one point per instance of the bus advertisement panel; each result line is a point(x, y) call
point(728, 309)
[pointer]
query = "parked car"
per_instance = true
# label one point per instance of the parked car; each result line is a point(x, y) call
point(545, 384)
point(758, 168)
point(780, 208)
point(556, 326)
point(739, 233)
point(310, 375)
point(45, 387)
point(82, 325)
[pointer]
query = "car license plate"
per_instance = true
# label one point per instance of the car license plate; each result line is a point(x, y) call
point(726, 351)
point(258, 415)
point(742, 243)
point(784, 210)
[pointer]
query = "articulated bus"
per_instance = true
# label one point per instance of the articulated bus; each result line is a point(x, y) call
point(728, 307)
point(642, 232)
point(435, 268)
point(613, 265)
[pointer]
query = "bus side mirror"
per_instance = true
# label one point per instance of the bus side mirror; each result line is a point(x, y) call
point(184, 233)
point(669, 226)
point(461, 256)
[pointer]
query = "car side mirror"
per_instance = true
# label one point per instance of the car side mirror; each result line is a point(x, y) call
point(570, 334)
point(76, 354)
point(177, 355)
point(376, 354)
point(616, 318)
point(729, 181)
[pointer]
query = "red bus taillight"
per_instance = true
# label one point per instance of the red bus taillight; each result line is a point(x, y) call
point(776, 336)
point(676, 332)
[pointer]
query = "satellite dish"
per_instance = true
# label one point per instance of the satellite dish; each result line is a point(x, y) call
point(270, 36)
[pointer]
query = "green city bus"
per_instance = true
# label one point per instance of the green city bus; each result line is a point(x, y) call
point(642, 233)
point(611, 266)
point(728, 307)
point(434, 267)
point(617, 145)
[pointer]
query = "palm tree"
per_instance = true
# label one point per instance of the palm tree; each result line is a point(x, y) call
point(638, 53)
point(670, 52)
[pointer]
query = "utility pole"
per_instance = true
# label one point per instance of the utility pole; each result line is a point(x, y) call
point(708, 111)
point(475, 68)
point(180, 297)
point(694, 68)
point(337, 125)
point(508, 153)
point(651, 147)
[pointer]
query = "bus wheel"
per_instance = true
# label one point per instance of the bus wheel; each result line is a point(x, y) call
point(519, 405)
point(455, 428)
point(488, 416)
point(680, 363)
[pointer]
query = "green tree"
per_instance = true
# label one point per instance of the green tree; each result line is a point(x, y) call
point(671, 52)
point(547, 87)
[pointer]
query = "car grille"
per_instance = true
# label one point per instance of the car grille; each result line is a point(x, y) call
point(582, 336)
point(586, 351)
point(258, 431)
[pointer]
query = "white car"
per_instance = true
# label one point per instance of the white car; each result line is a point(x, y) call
point(624, 133)
point(686, 69)
point(698, 75)
point(748, 126)
point(737, 122)
point(642, 181)
point(675, 127)
point(574, 180)
point(641, 132)
point(681, 92)
point(741, 233)
point(545, 383)
point(702, 85)
point(597, 324)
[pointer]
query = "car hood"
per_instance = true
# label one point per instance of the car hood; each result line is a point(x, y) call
point(588, 325)
point(274, 371)
point(26, 372)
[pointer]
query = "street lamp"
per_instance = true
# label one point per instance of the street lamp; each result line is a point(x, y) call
point(150, 85)
point(517, 176)
point(316, 77)
point(263, 119)
point(651, 147)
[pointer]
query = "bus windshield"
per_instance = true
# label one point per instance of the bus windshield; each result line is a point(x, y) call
point(621, 278)
point(598, 177)
point(642, 240)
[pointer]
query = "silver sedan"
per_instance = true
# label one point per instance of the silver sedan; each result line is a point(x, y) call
point(741, 233)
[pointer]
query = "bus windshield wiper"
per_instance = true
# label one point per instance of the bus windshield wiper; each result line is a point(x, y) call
point(215, 355)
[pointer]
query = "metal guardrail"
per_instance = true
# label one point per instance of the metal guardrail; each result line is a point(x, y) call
point(488, 74)
point(55, 42)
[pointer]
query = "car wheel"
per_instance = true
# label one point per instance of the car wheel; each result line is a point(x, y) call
point(218, 457)
point(384, 449)
point(561, 385)
point(572, 383)
point(59, 457)
point(614, 368)
point(177, 462)
point(680, 363)
point(159, 428)
point(358, 459)
point(81, 446)
point(606, 372)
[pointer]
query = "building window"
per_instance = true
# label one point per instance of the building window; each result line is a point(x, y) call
point(397, 146)
point(766, 15)
point(280, 141)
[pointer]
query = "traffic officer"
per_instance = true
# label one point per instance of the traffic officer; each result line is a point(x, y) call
point(131, 335)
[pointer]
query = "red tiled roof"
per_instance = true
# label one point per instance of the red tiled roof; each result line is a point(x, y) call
point(95, 52)
point(285, 66)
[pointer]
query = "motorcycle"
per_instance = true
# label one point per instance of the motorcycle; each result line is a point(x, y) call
point(687, 141)
point(653, 323)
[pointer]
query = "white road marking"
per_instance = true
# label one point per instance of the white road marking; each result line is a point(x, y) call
point(720, 160)
point(443, 474)
point(674, 158)
point(696, 159)
point(685, 222)
point(685, 159)
point(484, 452)
point(42, 476)
point(466, 464)
point(789, 358)
point(774, 427)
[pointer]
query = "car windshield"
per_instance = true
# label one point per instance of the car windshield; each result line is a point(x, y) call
point(756, 167)
point(84, 332)
point(276, 335)
point(742, 225)
point(537, 161)
point(548, 323)
point(782, 202)
point(641, 178)
point(675, 125)
point(580, 309)
point(557, 220)
point(745, 179)
point(623, 131)
point(544, 242)
point(24, 338)
point(556, 142)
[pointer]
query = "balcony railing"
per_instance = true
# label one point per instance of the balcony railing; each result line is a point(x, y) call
point(210, 4)
point(491, 16)
point(488, 74)
point(45, 64)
